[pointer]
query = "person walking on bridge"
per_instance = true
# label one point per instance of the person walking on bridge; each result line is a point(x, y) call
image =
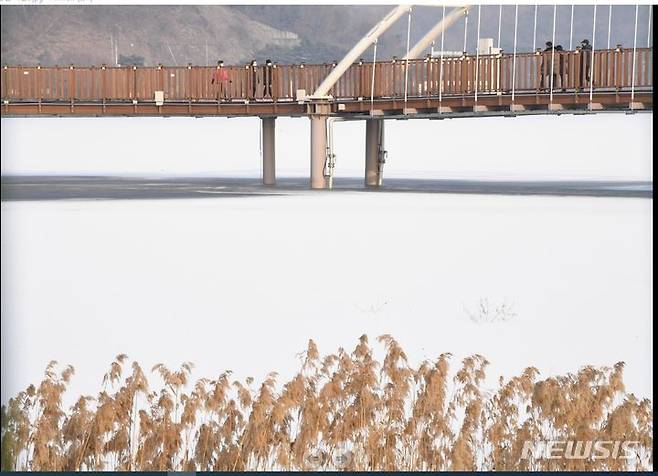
point(268, 71)
point(220, 77)
point(545, 68)
point(585, 62)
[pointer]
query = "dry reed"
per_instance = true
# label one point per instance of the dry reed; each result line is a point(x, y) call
point(341, 411)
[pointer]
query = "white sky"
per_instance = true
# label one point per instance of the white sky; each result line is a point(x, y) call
point(603, 146)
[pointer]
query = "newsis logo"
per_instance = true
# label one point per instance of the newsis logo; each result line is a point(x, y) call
point(318, 458)
point(594, 450)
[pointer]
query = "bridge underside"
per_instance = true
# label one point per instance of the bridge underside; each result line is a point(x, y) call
point(450, 106)
point(491, 85)
point(319, 112)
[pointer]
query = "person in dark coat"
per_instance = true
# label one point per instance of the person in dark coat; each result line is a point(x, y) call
point(268, 71)
point(585, 62)
point(545, 68)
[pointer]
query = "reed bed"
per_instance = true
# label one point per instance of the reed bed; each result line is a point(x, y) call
point(345, 410)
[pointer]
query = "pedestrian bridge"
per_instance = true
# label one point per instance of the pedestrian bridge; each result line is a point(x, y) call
point(553, 82)
point(470, 84)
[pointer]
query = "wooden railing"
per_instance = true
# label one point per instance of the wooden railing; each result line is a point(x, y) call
point(491, 74)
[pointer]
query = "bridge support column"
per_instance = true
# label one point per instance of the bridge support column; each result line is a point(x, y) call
point(318, 116)
point(268, 131)
point(375, 153)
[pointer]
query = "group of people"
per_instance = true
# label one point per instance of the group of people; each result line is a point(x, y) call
point(222, 79)
point(555, 63)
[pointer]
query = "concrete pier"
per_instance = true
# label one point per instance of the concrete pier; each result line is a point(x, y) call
point(318, 150)
point(319, 115)
point(374, 152)
point(269, 162)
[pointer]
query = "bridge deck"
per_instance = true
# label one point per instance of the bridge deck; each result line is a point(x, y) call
point(527, 83)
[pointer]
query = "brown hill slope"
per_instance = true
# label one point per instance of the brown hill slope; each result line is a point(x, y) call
point(168, 34)
point(285, 33)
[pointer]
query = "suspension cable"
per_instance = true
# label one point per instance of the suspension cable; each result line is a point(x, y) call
point(649, 28)
point(637, 7)
point(443, 15)
point(607, 75)
point(553, 54)
point(609, 24)
point(534, 32)
point(516, 22)
point(477, 54)
point(372, 83)
point(591, 68)
point(465, 29)
point(571, 31)
point(500, 19)
point(406, 64)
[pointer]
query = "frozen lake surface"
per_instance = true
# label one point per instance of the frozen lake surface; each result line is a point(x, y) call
point(98, 187)
point(242, 283)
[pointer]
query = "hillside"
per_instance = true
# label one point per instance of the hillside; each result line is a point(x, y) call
point(166, 34)
point(286, 33)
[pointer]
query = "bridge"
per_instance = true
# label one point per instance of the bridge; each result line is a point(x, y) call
point(434, 87)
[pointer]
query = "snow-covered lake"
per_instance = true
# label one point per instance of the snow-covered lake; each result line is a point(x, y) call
point(243, 283)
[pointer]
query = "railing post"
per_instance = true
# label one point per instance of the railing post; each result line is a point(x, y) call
point(538, 71)
point(18, 87)
point(616, 68)
point(303, 77)
point(429, 79)
point(5, 83)
point(133, 93)
point(71, 84)
point(103, 81)
point(38, 85)
point(159, 80)
point(189, 82)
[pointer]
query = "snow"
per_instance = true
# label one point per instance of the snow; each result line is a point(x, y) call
point(243, 283)
point(603, 146)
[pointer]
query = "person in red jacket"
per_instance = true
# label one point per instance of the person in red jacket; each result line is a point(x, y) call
point(220, 77)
